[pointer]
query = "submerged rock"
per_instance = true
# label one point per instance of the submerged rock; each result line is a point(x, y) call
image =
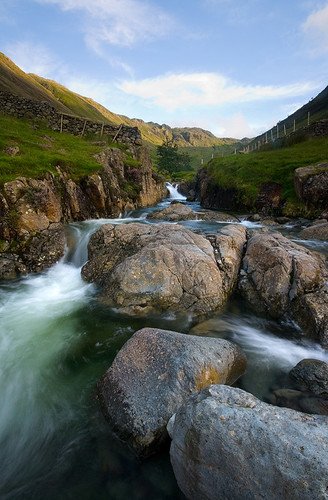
point(141, 269)
point(311, 375)
point(318, 231)
point(154, 374)
point(174, 212)
point(228, 444)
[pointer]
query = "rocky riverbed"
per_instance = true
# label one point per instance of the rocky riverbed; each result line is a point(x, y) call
point(250, 293)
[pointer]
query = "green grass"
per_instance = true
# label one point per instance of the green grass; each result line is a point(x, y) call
point(248, 172)
point(41, 150)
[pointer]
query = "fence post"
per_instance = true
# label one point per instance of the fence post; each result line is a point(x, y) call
point(271, 135)
point(294, 128)
point(84, 125)
point(308, 118)
point(61, 123)
point(277, 131)
point(102, 129)
point(285, 130)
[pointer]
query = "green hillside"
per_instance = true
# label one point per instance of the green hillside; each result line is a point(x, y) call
point(248, 172)
point(316, 109)
point(16, 81)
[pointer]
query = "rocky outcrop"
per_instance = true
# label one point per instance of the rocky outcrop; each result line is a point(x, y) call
point(311, 185)
point(141, 269)
point(315, 232)
point(154, 374)
point(216, 197)
point(228, 444)
point(31, 209)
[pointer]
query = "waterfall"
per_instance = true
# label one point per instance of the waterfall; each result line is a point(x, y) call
point(174, 193)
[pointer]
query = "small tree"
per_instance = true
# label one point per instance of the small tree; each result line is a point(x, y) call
point(169, 160)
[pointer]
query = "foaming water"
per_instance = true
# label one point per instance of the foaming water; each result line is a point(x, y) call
point(36, 328)
point(174, 193)
point(272, 349)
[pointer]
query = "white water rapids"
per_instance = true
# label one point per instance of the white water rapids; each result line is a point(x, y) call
point(44, 400)
point(174, 193)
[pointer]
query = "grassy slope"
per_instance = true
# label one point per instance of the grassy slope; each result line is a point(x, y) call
point(317, 107)
point(14, 80)
point(41, 150)
point(248, 172)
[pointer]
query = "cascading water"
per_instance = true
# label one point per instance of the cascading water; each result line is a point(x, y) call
point(174, 193)
point(55, 343)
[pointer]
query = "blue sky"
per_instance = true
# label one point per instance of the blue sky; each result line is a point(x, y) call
point(234, 67)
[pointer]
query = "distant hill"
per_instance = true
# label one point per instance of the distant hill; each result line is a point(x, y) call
point(16, 81)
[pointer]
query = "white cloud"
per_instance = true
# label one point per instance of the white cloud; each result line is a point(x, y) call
point(34, 58)
point(234, 126)
point(183, 90)
point(316, 27)
point(118, 22)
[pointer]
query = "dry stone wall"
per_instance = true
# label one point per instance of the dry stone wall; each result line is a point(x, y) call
point(27, 108)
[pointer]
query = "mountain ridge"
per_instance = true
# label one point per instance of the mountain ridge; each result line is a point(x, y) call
point(14, 80)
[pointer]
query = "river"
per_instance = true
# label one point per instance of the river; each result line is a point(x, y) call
point(55, 343)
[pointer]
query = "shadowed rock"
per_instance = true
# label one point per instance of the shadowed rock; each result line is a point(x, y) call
point(228, 444)
point(154, 374)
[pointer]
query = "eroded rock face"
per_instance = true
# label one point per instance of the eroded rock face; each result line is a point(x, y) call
point(311, 313)
point(154, 374)
point(146, 268)
point(311, 185)
point(318, 231)
point(31, 207)
point(228, 247)
point(228, 444)
point(277, 272)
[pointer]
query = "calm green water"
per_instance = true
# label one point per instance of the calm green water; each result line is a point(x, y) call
point(55, 343)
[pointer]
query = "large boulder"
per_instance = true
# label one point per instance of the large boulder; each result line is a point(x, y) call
point(154, 374)
point(276, 272)
point(141, 269)
point(315, 232)
point(228, 444)
point(311, 185)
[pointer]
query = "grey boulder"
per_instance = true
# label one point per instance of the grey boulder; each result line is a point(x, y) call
point(276, 272)
point(227, 444)
point(315, 232)
point(154, 374)
point(141, 269)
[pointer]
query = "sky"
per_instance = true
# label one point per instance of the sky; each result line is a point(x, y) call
point(234, 67)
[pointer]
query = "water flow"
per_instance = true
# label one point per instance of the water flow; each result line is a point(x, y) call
point(174, 193)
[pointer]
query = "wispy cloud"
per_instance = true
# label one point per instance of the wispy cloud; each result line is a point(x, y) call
point(123, 22)
point(34, 58)
point(316, 27)
point(184, 90)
